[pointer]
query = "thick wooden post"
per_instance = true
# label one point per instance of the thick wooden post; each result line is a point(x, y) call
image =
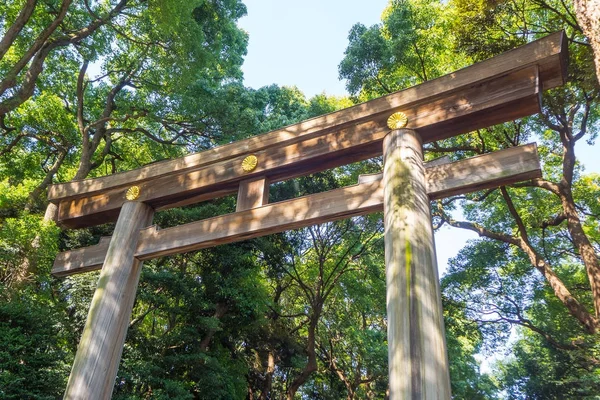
point(99, 352)
point(418, 362)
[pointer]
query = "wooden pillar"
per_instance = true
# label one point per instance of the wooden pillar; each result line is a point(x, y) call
point(99, 352)
point(418, 362)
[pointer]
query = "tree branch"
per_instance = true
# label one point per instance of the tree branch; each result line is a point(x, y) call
point(80, 98)
point(513, 211)
point(13, 32)
point(481, 231)
point(40, 50)
point(575, 308)
point(540, 183)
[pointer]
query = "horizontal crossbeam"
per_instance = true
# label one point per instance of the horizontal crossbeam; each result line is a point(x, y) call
point(503, 98)
point(477, 173)
point(548, 53)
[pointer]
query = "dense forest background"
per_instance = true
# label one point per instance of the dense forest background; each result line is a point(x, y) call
point(300, 314)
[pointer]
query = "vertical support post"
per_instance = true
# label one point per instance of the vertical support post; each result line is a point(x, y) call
point(101, 345)
point(253, 193)
point(418, 361)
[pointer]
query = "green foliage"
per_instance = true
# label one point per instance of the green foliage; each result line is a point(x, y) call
point(192, 314)
point(464, 339)
point(150, 76)
point(33, 362)
point(410, 46)
point(27, 239)
point(567, 374)
point(13, 197)
point(163, 79)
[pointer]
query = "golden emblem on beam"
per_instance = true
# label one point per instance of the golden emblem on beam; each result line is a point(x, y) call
point(249, 163)
point(132, 193)
point(397, 120)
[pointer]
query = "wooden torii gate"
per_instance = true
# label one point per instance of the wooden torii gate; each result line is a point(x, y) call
point(497, 90)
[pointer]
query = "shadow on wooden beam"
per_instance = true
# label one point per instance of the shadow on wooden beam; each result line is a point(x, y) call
point(482, 172)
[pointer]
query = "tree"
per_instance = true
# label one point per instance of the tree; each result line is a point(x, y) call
point(569, 372)
point(550, 221)
point(568, 117)
point(160, 70)
point(545, 224)
point(588, 15)
point(97, 88)
point(464, 339)
point(352, 343)
point(154, 63)
point(409, 47)
point(315, 273)
point(33, 361)
point(86, 89)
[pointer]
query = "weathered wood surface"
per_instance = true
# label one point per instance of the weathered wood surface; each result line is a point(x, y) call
point(491, 170)
point(548, 53)
point(477, 173)
point(99, 351)
point(272, 218)
point(252, 193)
point(498, 100)
point(418, 362)
point(81, 260)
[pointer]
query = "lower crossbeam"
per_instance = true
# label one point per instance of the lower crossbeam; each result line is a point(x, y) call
point(443, 180)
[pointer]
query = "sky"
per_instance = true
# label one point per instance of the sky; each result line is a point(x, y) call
point(301, 43)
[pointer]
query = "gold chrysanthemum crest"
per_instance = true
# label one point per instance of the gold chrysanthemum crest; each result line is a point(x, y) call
point(397, 120)
point(132, 193)
point(249, 163)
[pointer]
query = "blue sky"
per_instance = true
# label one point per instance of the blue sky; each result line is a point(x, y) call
point(301, 43)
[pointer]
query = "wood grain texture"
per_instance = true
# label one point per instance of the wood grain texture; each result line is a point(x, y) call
point(485, 171)
point(252, 193)
point(85, 259)
point(504, 98)
point(272, 218)
point(481, 172)
point(418, 362)
point(99, 351)
point(549, 54)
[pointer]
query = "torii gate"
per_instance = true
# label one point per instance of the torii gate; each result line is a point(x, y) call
point(497, 90)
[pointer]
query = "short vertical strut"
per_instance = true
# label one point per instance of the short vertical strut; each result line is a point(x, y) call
point(418, 363)
point(101, 345)
point(253, 193)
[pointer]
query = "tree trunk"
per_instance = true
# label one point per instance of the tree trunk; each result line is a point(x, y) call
point(588, 18)
point(13, 31)
point(582, 242)
point(575, 308)
point(220, 311)
point(264, 395)
point(37, 192)
point(29, 265)
point(311, 365)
